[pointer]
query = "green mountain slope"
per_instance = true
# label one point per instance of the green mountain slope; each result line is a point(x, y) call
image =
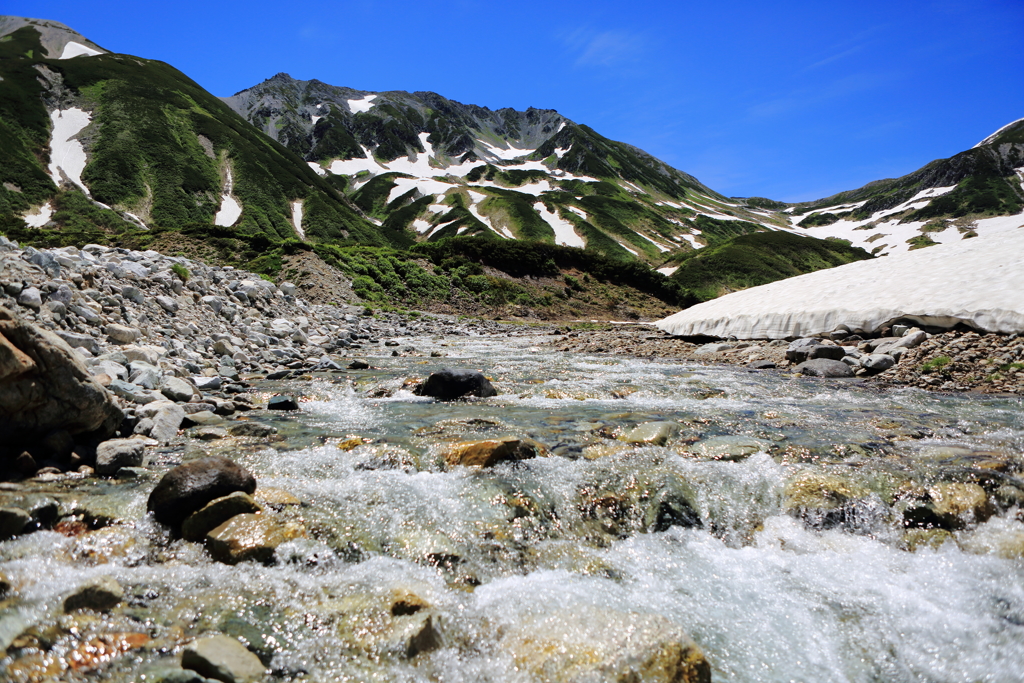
point(979, 189)
point(160, 153)
point(756, 259)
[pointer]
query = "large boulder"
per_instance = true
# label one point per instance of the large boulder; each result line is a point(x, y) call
point(448, 384)
point(45, 387)
point(809, 348)
point(490, 452)
point(223, 659)
point(190, 486)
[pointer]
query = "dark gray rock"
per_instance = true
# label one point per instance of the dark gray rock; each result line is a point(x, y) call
point(877, 362)
point(12, 522)
point(101, 594)
point(761, 365)
point(283, 402)
point(448, 384)
point(251, 428)
point(190, 486)
point(808, 348)
point(824, 367)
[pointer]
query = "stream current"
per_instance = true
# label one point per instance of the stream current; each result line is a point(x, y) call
point(796, 529)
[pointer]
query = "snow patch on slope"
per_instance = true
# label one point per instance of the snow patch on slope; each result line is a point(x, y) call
point(40, 218)
point(977, 281)
point(230, 210)
point(73, 49)
point(992, 137)
point(476, 198)
point(297, 218)
point(668, 270)
point(361, 105)
point(565, 233)
point(66, 154)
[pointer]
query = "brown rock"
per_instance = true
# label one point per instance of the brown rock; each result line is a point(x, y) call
point(250, 537)
point(190, 486)
point(45, 387)
point(490, 452)
point(215, 513)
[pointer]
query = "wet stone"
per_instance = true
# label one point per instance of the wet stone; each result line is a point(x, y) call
point(283, 402)
point(489, 452)
point(448, 384)
point(222, 658)
point(215, 513)
point(651, 433)
point(251, 428)
point(100, 595)
point(190, 486)
point(13, 521)
point(250, 537)
point(114, 454)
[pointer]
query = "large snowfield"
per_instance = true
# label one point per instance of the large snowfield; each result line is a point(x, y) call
point(978, 281)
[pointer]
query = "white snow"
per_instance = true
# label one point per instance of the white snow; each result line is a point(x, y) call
point(560, 152)
point(420, 225)
point(424, 185)
point(565, 233)
point(314, 119)
point(316, 167)
point(476, 198)
point(297, 218)
point(560, 127)
point(506, 154)
point(579, 212)
point(992, 137)
point(230, 209)
point(977, 281)
point(692, 240)
point(361, 104)
point(536, 188)
point(73, 49)
point(438, 208)
point(661, 247)
point(66, 154)
point(42, 216)
point(136, 219)
point(353, 166)
point(668, 270)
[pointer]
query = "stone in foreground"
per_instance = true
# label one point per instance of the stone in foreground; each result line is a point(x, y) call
point(190, 486)
point(490, 452)
point(117, 453)
point(651, 433)
point(594, 644)
point(44, 387)
point(449, 384)
point(222, 658)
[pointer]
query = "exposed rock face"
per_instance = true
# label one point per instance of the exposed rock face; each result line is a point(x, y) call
point(448, 384)
point(45, 387)
point(189, 487)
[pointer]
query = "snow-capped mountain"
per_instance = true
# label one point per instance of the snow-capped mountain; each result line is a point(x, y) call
point(979, 191)
point(426, 167)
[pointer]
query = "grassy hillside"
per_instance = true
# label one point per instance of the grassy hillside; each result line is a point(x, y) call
point(159, 146)
point(756, 259)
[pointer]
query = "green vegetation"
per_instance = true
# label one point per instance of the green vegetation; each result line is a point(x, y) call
point(921, 241)
point(181, 271)
point(763, 203)
point(936, 364)
point(817, 219)
point(757, 259)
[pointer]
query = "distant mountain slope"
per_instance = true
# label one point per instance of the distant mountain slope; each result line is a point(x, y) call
point(755, 259)
point(427, 168)
point(94, 143)
point(977, 191)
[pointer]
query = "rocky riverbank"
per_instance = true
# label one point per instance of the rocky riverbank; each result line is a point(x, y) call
point(957, 360)
point(168, 337)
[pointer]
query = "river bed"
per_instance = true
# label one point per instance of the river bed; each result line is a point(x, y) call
point(796, 529)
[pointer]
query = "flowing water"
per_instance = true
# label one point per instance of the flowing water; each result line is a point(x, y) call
point(796, 529)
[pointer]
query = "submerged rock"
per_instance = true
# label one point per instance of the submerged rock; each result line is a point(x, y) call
point(283, 402)
point(190, 486)
point(490, 452)
point(596, 644)
point(448, 384)
point(652, 433)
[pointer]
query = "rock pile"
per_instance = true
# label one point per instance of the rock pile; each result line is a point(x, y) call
point(139, 342)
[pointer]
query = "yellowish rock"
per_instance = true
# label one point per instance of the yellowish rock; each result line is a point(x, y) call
point(489, 452)
point(250, 537)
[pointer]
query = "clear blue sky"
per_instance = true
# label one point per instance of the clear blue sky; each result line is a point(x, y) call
point(789, 100)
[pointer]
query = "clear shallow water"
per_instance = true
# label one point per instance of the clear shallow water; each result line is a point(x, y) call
point(795, 564)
